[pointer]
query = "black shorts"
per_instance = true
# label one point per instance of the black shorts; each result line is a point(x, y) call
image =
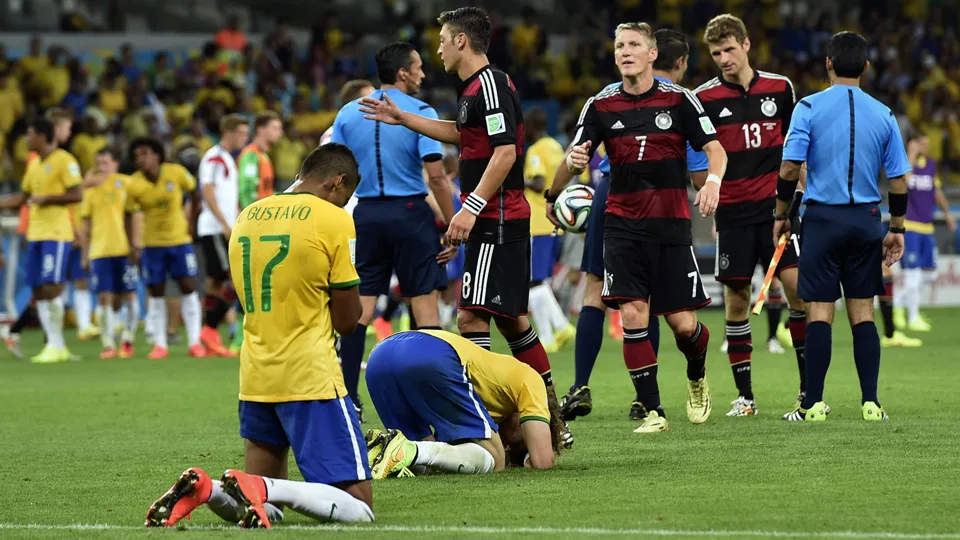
point(664, 275)
point(496, 278)
point(741, 249)
point(216, 258)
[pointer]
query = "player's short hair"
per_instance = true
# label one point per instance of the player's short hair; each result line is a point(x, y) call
point(535, 119)
point(57, 115)
point(351, 89)
point(725, 26)
point(264, 118)
point(915, 135)
point(113, 151)
point(391, 58)
point(642, 28)
point(472, 21)
point(848, 53)
point(152, 143)
point(671, 46)
point(331, 159)
point(231, 122)
point(43, 126)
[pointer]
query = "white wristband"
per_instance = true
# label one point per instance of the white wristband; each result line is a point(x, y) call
point(474, 204)
point(713, 178)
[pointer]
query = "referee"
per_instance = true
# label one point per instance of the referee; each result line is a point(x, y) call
point(845, 137)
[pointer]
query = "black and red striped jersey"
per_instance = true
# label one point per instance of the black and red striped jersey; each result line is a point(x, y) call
point(751, 125)
point(646, 137)
point(489, 115)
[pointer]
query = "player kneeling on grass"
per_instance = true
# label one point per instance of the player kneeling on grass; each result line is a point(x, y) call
point(290, 382)
point(446, 396)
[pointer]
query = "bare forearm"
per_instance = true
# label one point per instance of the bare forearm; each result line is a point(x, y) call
point(942, 202)
point(13, 201)
point(716, 160)
point(131, 225)
point(443, 196)
point(438, 130)
point(66, 198)
point(536, 184)
point(500, 164)
point(560, 181)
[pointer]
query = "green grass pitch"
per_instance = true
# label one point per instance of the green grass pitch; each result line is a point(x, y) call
point(85, 447)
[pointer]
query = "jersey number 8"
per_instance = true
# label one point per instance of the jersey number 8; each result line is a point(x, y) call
point(266, 280)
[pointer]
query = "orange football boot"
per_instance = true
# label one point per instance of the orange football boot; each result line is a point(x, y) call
point(126, 350)
point(210, 338)
point(191, 490)
point(198, 351)
point(616, 326)
point(383, 327)
point(158, 353)
point(251, 491)
point(108, 353)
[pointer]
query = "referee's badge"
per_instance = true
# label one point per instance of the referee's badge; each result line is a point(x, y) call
point(463, 112)
point(768, 106)
point(664, 121)
point(724, 261)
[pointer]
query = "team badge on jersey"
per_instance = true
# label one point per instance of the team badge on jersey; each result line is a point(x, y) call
point(169, 186)
point(463, 113)
point(118, 184)
point(664, 121)
point(768, 106)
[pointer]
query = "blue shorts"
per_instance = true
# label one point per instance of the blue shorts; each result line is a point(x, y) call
point(397, 236)
point(47, 262)
point(920, 251)
point(592, 262)
point(114, 275)
point(455, 266)
point(841, 246)
point(544, 252)
point(75, 269)
point(325, 436)
point(177, 261)
point(416, 382)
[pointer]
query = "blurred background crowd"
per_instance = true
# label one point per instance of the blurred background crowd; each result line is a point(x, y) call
point(127, 74)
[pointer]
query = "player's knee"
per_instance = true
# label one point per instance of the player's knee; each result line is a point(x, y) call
point(683, 324)
point(593, 292)
point(468, 321)
point(859, 310)
point(188, 285)
point(635, 314)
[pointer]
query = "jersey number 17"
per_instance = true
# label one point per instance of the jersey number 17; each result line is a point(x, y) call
point(266, 280)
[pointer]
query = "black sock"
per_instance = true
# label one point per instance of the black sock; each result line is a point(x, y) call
point(351, 356)
point(413, 320)
point(798, 330)
point(481, 339)
point(391, 308)
point(215, 310)
point(866, 354)
point(886, 308)
point(29, 314)
point(774, 313)
point(740, 349)
point(819, 345)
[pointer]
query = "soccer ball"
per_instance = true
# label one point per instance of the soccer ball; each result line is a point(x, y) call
point(572, 207)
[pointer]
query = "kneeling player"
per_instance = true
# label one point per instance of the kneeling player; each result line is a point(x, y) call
point(446, 396)
point(290, 383)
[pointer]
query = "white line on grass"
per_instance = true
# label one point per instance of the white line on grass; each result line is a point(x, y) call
point(441, 529)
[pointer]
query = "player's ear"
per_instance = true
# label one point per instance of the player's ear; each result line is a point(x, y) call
point(746, 45)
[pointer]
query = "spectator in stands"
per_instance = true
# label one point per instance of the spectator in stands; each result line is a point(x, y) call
point(160, 75)
point(231, 36)
point(53, 81)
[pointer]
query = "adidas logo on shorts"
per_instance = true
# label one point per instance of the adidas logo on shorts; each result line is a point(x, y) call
point(495, 300)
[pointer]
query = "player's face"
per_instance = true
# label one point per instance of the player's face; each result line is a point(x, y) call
point(35, 141)
point(273, 131)
point(106, 164)
point(923, 145)
point(238, 137)
point(414, 76)
point(449, 51)
point(145, 159)
point(682, 69)
point(729, 55)
point(633, 53)
point(61, 131)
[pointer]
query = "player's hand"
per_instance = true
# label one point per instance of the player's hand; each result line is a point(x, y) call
point(93, 178)
point(385, 110)
point(134, 256)
point(460, 227)
point(951, 223)
point(780, 227)
point(552, 215)
point(579, 157)
point(892, 248)
point(447, 254)
point(708, 198)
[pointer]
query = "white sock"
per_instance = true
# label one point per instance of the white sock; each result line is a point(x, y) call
point(43, 312)
point(467, 458)
point(912, 282)
point(225, 506)
point(130, 320)
point(157, 315)
point(55, 336)
point(540, 313)
point(100, 312)
point(319, 501)
point(84, 306)
point(192, 317)
point(557, 319)
point(108, 321)
point(447, 312)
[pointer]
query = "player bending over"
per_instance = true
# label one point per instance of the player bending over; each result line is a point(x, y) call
point(110, 233)
point(447, 396)
point(290, 382)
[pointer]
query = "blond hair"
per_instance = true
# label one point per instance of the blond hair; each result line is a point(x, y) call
point(725, 26)
point(642, 28)
point(231, 122)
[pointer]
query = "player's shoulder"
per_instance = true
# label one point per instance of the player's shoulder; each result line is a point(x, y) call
point(708, 87)
point(774, 82)
point(545, 144)
point(410, 103)
point(62, 157)
point(216, 154)
point(608, 91)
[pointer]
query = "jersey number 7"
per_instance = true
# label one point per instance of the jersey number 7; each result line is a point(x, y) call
point(266, 281)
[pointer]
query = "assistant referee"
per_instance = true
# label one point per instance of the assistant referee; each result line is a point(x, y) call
point(845, 137)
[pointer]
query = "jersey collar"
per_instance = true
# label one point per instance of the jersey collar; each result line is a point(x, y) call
point(466, 82)
point(648, 93)
point(738, 87)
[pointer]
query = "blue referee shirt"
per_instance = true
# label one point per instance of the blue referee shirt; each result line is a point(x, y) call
point(390, 157)
point(845, 136)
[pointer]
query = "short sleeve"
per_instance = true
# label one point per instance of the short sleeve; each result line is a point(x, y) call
point(71, 176)
point(895, 161)
point(534, 166)
point(187, 181)
point(337, 135)
point(797, 143)
point(532, 398)
point(131, 204)
point(499, 117)
point(696, 125)
point(696, 161)
point(342, 248)
point(425, 145)
point(589, 128)
point(211, 171)
point(790, 97)
point(25, 185)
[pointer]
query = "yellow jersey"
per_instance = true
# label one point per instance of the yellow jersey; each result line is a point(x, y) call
point(286, 252)
point(54, 175)
point(105, 207)
point(164, 221)
point(504, 384)
point(543, 159)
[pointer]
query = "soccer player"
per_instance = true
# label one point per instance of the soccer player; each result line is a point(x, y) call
point(494, 222)
point(396, 229)
point(845, 136)
point(544, 156)
point(51, 185)
point(291, 258)
point(669, 67)
point(447, 397)
point(219, 185)
point(159, 189)
point(751, 110)
point(920, 251)
point(649, 265)
point(107, 237)
point(256, 178)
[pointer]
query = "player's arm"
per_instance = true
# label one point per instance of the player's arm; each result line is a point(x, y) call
point(898, 168)
point(345, 307)
point(585, 142)
point(501, 124)
point(431, 152)
point(73, 194)
point(133, 226)
point(795, 148)
point(388, 112)
point(537, 438)
point(209, 173)
point(701, 135)
point(248, 169)
point(944, 205)
point(14, 201)
point(83, 238)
